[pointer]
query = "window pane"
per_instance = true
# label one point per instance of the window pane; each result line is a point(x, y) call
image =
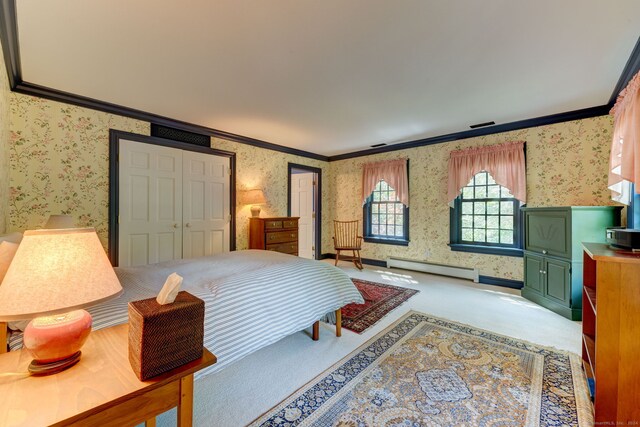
point(376, 196)
point(383, 219)
point(383, 185)
point(399, 208)
point(493, 236)
point(479, 208)
point(467, 234)
point(399, 231)
point(382, 208)
point(467, 207)
point(506, 208)
point(383, 229)
point(399, 219)
point(481, 178)
point(375, 219)
point(494, 192)
point(478, 222)
point(493, 208)
point(374, 208)
point(384, 196)
point(506, 236)
point(493, 222)
point(392, 196)
point(391, 218)
point(506, 193)
point(506, 222)
point(467, 221)
point(490, 179)
point(374, 229)
point(467, 193)
point(478, 235)
point(481, 192)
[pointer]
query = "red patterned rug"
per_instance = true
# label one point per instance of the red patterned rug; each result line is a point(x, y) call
point(379, 299)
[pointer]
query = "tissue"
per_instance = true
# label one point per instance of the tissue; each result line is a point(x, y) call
point(170, 289)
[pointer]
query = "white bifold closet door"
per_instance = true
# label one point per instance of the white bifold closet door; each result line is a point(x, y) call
point(172, 204)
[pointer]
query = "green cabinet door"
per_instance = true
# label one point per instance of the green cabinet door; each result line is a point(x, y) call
point(533, 278)
point(558, 280)
point(548, 231)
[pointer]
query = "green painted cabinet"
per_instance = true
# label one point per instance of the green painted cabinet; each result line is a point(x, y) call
point(553, 255)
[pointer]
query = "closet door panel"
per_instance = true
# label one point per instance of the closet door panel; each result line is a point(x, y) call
point(206, 204)
point(150, 206)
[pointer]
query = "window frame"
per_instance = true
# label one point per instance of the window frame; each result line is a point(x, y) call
point(455, 230)
point(367, 223)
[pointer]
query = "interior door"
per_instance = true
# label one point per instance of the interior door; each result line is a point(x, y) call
point(302, 205)
point(206, 204)
point(150, 205)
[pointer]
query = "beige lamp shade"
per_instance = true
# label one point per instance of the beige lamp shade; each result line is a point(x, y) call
point(253, 197)
point(60, 221)
point(56, 271)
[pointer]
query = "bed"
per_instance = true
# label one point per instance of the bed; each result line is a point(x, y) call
point(252, 298)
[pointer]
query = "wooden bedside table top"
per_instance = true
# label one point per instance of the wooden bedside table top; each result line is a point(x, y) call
point(101, 380)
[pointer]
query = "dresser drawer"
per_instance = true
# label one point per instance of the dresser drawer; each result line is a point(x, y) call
point(281, 237)
point(273, 225)
point(290, 224)
point(286, 248)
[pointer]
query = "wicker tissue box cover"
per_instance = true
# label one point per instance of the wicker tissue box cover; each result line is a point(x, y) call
point(164, 337)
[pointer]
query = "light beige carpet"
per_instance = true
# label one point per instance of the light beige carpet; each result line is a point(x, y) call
point(424, 370)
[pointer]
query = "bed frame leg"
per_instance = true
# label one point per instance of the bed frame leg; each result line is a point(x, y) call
point(339, 322)
point(316, 331)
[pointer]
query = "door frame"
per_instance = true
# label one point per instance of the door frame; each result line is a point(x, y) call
point(114, 185)
point(318, 200)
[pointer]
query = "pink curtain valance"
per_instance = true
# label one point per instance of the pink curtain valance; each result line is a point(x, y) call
point(624, 164)
point(394, 172)
point(505, 163)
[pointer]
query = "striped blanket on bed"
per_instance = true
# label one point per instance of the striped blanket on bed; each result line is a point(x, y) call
point(252, 298)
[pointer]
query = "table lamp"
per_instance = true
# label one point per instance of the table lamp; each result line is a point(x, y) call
point(254, 197)
point(53, 275)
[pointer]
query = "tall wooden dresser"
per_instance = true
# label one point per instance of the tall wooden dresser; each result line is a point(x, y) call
point(278, 234)
point(611, 333)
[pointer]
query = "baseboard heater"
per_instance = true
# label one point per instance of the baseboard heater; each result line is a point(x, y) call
point(434, 268)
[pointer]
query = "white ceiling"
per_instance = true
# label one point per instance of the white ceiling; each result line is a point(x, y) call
point(332, 76)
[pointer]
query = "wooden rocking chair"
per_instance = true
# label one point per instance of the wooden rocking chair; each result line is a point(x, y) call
point(346, 239)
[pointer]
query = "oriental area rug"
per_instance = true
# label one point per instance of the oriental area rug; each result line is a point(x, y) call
point(379, 299)
point(425, 371)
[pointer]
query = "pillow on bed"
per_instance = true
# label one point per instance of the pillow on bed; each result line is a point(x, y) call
point(7, 251)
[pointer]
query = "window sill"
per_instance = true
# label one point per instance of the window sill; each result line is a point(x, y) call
point(397, 242)
point(490, 250)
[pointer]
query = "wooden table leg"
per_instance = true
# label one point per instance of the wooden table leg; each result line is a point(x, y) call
point(185, 406)
point(316, 331)
point(339, 322)
point(151, 422)
point(3, 337)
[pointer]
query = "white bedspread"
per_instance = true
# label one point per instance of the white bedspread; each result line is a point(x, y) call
point(252, 298)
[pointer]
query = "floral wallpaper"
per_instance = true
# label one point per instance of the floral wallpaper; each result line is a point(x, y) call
point(59, 156)
point(4, 145)
point(267, 170)
point(566, 165)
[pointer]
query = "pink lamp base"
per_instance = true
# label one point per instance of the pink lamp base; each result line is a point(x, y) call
point(55, 341)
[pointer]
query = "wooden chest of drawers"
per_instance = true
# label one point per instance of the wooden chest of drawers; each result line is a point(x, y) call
point(274, 234)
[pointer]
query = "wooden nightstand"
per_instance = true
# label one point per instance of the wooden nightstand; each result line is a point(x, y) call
point(100, 390)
